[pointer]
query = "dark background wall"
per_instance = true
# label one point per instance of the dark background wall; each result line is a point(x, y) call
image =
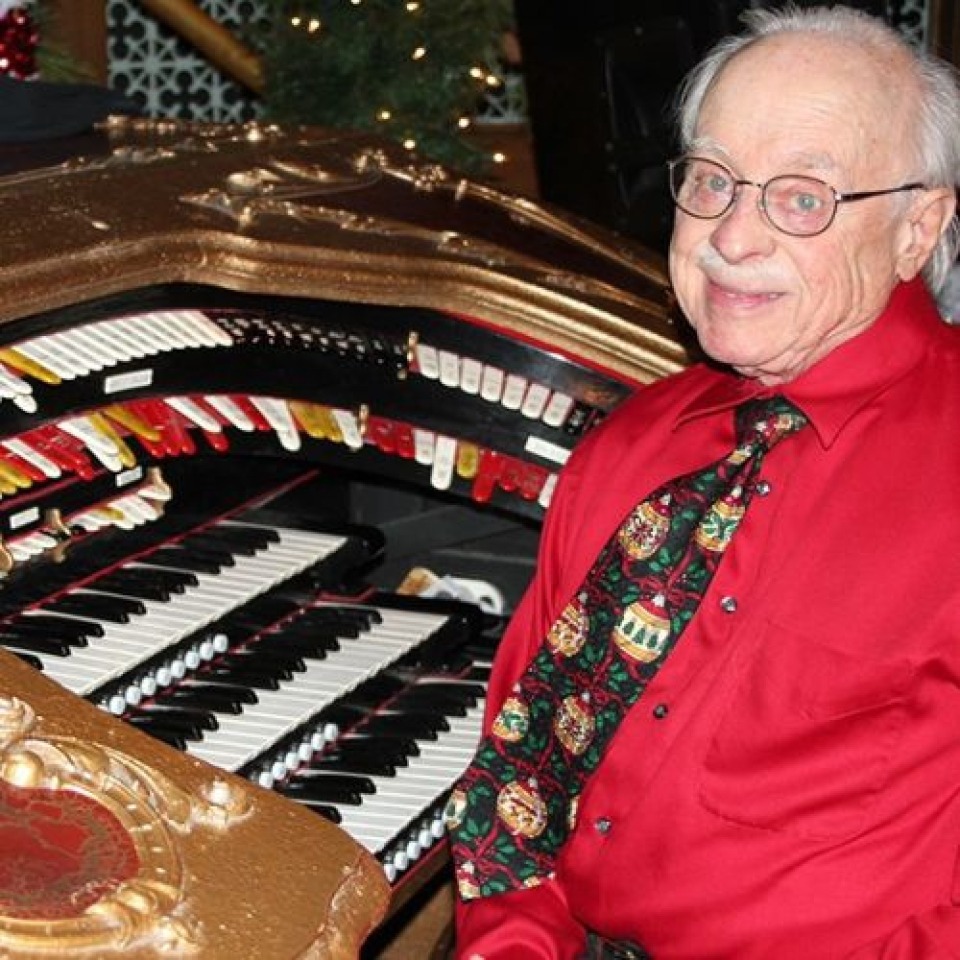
point(601, 77)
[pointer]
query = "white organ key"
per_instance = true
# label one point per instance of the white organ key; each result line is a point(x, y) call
point(546, 491)
point(241, 738)
point(535, 401)
point(230, 410)
point(169, 327)
point(514, 390)
point(99, 444)
point(166, 331)
point(428, 363)
point(206, 332)
point(66, 344)
point(13, 385)
point(491, 384)
point(277, 414)
point(40, 353)
point(112, 349)
point(349, 428)
point(558, 409)
point(449, 368)
point(444, 461)
point(195, 413)
point(120, 333)
point(148, 330)
point(471, 375)
point(386, 813)
point(33, 456)
point(123, 646)
point(142, 340)
point(424, 442)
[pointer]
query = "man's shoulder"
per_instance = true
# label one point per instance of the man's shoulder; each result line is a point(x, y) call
point(665, 399)
point(648, 415)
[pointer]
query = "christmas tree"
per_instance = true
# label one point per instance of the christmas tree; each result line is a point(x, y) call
point(413, 70)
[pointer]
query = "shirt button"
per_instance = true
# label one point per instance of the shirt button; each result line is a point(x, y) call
point(603, 825)
point(660, 710)
point(728, 604)
point(763, 488)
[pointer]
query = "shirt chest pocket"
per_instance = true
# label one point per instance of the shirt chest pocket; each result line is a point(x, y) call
point(808, 740)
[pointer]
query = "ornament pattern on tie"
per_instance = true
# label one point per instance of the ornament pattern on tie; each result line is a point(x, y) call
point(516, 804)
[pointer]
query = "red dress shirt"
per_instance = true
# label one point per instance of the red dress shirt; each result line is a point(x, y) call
point(788, 787)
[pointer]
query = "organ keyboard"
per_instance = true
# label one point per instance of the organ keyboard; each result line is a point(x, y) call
point(204, 400)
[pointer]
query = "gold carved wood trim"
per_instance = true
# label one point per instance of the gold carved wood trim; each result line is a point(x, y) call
point(212, 39)
point(224, 871)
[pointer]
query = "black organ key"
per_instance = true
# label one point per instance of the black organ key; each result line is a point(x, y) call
point(12, 634)
point(235, 675)
point(97, 606)
point(29, 659)
point(49, 646)
point(361, 750)
point(132, 584)
point(316, 780)
point(178, 558)
point(222, 699)
point(188, 723)
point(219, 546)
point(421, 726)
point(326, 810)
point(369, 763)
point(276, 665)
point(173, 580)
point(131, 661)
point(311, 648)
point(51, 624)
point(385, 739)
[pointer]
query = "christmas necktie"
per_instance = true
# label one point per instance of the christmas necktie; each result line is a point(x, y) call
point(516, 804)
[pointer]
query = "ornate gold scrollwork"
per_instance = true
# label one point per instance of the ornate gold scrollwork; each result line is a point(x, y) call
point(151, 810)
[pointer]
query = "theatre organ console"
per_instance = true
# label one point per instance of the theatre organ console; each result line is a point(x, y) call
point(208, 336)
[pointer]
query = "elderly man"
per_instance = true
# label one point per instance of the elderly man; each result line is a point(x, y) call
point(725, 720)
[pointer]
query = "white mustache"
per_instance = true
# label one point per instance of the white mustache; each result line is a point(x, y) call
point(748, 278)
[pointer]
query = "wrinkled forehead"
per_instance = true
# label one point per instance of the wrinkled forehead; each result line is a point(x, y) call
point(824, 99)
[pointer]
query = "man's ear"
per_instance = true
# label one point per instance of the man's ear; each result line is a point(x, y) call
point(929, 215)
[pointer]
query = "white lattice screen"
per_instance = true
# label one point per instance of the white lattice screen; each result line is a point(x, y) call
point(165, 75)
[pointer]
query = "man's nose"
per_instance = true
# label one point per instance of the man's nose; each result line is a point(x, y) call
point(744, 231)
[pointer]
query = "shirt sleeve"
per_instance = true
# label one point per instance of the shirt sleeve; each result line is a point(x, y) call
point(532, 924)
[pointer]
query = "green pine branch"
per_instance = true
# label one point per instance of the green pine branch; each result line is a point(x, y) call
point(408, 69)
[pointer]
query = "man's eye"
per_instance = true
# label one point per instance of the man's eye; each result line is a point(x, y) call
point(805, 203)
point(717, 183)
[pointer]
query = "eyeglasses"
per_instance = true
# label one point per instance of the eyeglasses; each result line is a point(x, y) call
point(797, 205)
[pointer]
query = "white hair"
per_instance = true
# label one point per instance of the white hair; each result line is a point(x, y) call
point(937, 123)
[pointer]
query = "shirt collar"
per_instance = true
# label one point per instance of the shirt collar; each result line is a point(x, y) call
point(832, 391)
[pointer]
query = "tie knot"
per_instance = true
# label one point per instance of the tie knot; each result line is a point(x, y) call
point(764, 421)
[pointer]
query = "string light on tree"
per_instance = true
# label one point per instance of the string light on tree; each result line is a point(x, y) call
point(401, 67)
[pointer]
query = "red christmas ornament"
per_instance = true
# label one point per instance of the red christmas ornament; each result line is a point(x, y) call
point(18, 44)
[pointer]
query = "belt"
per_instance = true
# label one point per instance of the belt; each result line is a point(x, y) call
point(599, 948)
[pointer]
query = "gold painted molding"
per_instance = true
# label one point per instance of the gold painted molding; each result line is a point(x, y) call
point(225, 870)
point(311, 213)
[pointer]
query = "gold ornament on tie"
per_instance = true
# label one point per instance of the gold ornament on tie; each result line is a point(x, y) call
point(512, 721)
point(643, 630)
point(575, 724)
point(646, 528)
point(568, 633)
point(522, 809)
